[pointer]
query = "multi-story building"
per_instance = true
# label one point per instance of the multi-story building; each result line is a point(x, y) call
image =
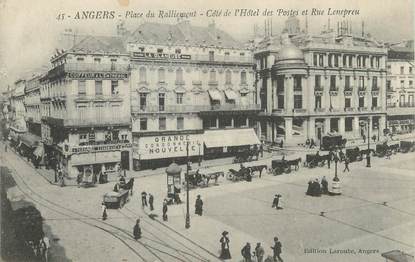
point(313, 85)
point(17, 123)
point(400, 88)
point(191, 85)
point(86, 107)
point(32, 104)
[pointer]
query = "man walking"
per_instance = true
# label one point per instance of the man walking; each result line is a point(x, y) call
point(143, 199)
point(104, 211)
point(165, 210)
point(137, 230)
point(151, 201)
point(199, 206)
point(277, 250)
point(246, 252)
point(346, 164)
point(259, 252)
point(276, 201)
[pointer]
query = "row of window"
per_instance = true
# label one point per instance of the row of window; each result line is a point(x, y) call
point(298, 102)
point(162, 123)
point(98, 87)
point(333, 60)
point(402, 70)
point(161, 73)
point(347, 82)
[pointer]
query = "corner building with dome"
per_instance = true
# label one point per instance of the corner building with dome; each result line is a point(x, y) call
point(311, 86)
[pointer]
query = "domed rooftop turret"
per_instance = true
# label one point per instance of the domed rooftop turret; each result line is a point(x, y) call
point(290, 52)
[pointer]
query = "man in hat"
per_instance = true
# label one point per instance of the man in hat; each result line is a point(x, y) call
point(259, 252)
point(165, 210)
point(277, 250)
point(324, 186)
point(346, 164)
point(224, 243)
point(143, 199)
point(246, 252)
point(104, 211)
point(199, 206)
point(137, 230)
point(151, 201)
point(276, 201)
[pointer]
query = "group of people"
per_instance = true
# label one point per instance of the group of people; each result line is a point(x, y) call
point(309, 143)
point(316, 189)
point(144, 202)
point(246, 252)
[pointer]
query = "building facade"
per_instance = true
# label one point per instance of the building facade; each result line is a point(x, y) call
point(32, 105)
point(86, 107)
point(185, 82)
point(400, 88)
point(311, 86)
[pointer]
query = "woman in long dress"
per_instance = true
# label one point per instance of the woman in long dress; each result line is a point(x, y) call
point(224, 240)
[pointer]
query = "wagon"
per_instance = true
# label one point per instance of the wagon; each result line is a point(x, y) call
point(116, 199)
point(407, 146)
point(354, 154)
point(332, 142)
point(280, 166)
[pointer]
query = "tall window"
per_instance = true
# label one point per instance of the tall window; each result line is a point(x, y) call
point(297, 83)
point(98, 87)
point(344, 60)
point(243, 77)
point(317, 102)
point(402, 84)
point(179, 98)
point(317, 82)
point(402, 100)
point(143, 74)
point(161, 75)
point(410, 69)
point(347, 82)
point(211, 56)
point(402, 70)
point(162, 123)
point(179, 75)
point(361, 101)
point(298, 101)
point(162, 97)
point(81, 87)
point(212, 75)
point(361, 82)
point(280, 101)
point(330, 57)
point(336, 60)
point(350, 60)
point(228, 77)
point(377, 62)
point(375, 83)
point(113, 64)
point(347, 102)
point(143, 101)
point(315, 59)
point(332, 82)
point(114, 87)
point(180, 123)
point(348, 124)
point(374, 101)
point(143, 124)
point(320, 60)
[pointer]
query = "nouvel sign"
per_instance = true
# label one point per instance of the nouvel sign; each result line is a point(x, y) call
point(157, 147)
point(160, 55)
point(97, 75)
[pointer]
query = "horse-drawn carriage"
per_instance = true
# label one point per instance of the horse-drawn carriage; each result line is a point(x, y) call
point(333, 142)
point(354, 154)
point(116, 199)
point(238, 175)
point(313, 160)
point(246, 155)
point(407, 146)
point(385, 149)
point(197, 179)
point(281, 166)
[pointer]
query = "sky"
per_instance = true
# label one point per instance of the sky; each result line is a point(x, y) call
point(30, 30)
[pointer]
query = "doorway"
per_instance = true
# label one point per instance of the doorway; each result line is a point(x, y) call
point(125, 160)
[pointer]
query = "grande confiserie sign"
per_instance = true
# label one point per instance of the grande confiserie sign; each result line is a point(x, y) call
point(160, 55)
point(158, 147)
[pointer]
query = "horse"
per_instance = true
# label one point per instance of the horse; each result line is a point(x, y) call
point(258, 168)
point(128, 186)
point(214, 175)
point(295, 162)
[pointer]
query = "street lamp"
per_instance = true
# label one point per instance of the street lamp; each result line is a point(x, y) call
point(199, 153)
point(187, 225)
point(368, 143)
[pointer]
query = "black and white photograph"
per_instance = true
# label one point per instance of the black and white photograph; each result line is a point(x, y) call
point(197, 131)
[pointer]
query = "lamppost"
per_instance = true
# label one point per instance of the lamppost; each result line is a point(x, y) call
point(368, 143)
point(187, 225)
point(199, 153)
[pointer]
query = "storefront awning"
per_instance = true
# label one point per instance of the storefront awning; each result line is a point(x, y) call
point(230, 137)
point(215, 95)
point(29, 140)
point(231, 95)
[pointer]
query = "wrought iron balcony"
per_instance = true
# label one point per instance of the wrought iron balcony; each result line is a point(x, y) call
point(319, 110)
point(349, 109)
point(362, 109)
point(213, 83)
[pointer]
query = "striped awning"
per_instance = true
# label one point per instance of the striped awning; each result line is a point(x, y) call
point(231, 95)
point(215, 95)
point(230, 137)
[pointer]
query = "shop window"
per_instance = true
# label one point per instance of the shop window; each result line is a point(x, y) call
point(348, 124)
point(162, 123)
point(143, 124)
point(180, 123)
point(81, 87)
point(114, 87)
point(98, 87)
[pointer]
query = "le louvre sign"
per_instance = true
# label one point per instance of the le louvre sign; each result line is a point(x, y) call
point(155, 147)
point(97, 75)
point(161, 56)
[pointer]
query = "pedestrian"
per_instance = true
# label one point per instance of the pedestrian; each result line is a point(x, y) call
point(79, 179)
point(282, 143)
point(104, 211)
point(346, 164)
point(364, 138)
point(259, 252)
point(165, 210)
point(61, 177)
point(246, 253)
point(224, 244)
point(44, 247)
point(309, 188)
point(151, 201)
point(276, 201)
point(137, 230)
point(261, 149)
point(55, 169)
point(324, 186)
point(143, 199)
point(277, 250)
point(199, 206)
point(329, 158)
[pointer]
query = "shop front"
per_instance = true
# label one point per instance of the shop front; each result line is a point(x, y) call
point(161, 150)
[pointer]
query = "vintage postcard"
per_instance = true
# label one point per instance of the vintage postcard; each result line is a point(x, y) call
point(270, 130)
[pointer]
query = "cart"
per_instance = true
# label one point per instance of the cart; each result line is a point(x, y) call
point(280, 166)
point(116, 199)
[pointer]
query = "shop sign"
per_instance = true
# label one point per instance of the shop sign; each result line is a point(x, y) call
point(95, 158)
point(167, 146)
point(97, 75)
point(160, 56)
point(99, 148)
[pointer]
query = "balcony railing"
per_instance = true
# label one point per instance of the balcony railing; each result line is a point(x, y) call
point(98, 120)
point(362, 109)
point(299, 110)
point(407, 104)
point(362, 88)
point(106, 67)
point(193, 108)
point(319, 110)
point(213, 83)
point(278, 110)
point(318, 88)
point(348, 109)
point(376, 108)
